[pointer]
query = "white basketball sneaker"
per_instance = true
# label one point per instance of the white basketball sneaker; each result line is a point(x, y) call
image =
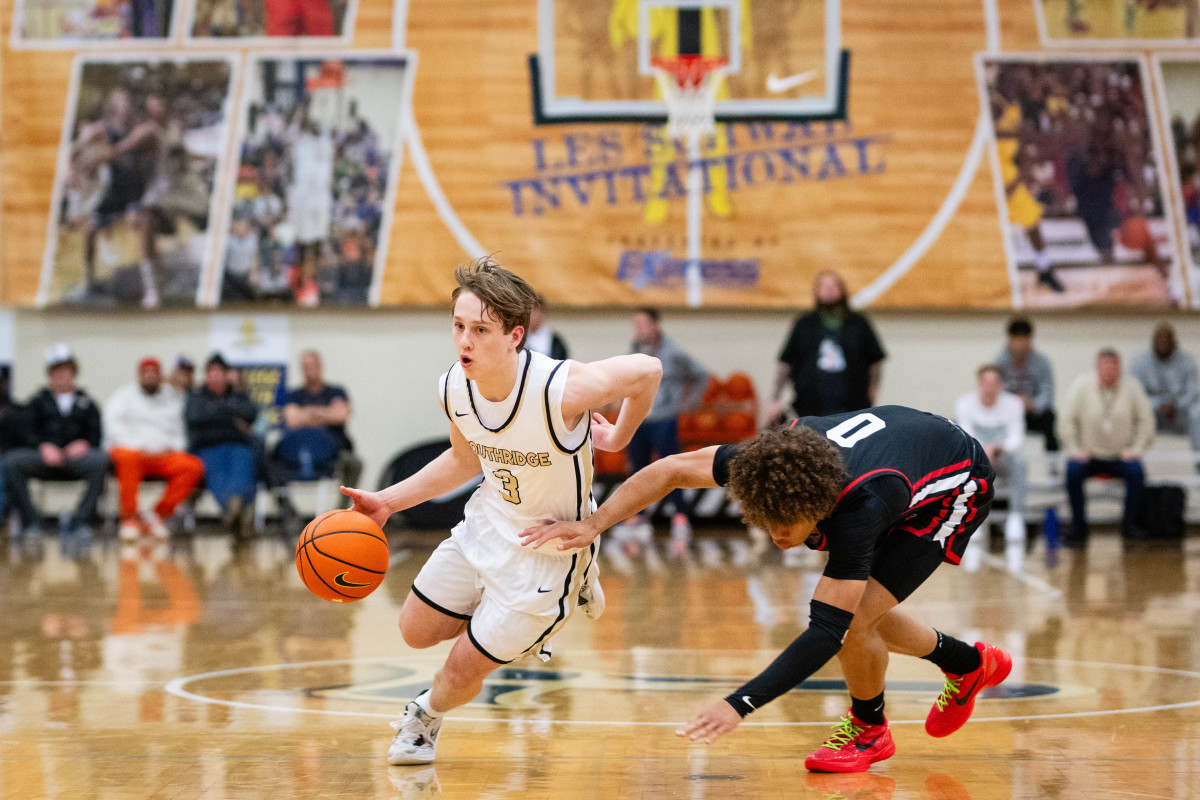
point(416, 735)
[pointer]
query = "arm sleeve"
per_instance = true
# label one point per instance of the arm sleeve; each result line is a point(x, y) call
point(808, 653)
point(724, 455)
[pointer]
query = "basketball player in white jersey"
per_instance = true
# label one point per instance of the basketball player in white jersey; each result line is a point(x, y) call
point(526, 421)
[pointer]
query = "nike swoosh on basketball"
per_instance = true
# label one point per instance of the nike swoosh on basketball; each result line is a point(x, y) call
point(775, 84)
point(340, 580)
point(962, 701)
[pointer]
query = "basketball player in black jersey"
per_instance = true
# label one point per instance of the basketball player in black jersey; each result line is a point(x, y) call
point(890, 493)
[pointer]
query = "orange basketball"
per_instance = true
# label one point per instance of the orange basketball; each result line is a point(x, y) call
point(342, 556)
point(1135, 234)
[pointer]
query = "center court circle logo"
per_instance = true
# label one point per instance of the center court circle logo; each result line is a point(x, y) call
point(591, 695)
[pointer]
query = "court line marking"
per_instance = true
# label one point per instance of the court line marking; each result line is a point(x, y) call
point(175, 687)
point(1027, 578)
point(958, 190)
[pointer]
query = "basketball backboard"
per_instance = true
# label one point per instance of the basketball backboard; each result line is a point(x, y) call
point(594, 60)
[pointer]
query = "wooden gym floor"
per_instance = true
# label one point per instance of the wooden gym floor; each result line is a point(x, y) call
point(192, 671)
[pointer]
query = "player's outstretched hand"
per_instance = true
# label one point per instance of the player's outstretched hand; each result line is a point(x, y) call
point(710, 724)
point(368, 503)
point(604, 433)
point(569, 534)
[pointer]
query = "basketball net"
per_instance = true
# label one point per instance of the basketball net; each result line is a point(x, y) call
point(689, 86)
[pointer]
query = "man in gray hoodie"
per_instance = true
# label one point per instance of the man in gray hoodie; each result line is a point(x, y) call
point(1169, 377)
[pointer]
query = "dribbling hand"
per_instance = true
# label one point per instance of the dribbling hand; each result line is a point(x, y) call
point(710, 724)
point(368, 503)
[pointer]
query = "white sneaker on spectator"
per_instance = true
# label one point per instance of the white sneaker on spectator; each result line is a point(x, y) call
point(156, 527)
point(681, 536)
point(130, 531)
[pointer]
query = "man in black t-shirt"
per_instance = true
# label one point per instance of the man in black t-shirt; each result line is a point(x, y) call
point(890, 493)
point(315, 443)
point(832, 357)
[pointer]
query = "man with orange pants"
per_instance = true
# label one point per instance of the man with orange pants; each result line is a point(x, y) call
point(144, 433)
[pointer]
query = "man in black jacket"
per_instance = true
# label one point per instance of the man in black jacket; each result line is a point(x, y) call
point(832, 356)
point(220, 423)
point(61, 442)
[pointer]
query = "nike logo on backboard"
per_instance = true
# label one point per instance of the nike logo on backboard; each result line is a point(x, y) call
point(340, 580)
point(775, 84)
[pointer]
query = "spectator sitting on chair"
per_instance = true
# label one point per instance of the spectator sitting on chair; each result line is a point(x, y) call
point(220, 431)
point(1170, 379)
point(1107, 426)
point(683, 384)
point(64, 431)
point(1028, 375)
point(143, 430)
point(996, 419)
point(11, 424)
point(315, 443)
point(832, 356)
point(183, 376)
point(539, 338)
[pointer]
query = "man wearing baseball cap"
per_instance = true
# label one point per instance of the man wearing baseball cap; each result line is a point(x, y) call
point(62, 443)
point(145, 437)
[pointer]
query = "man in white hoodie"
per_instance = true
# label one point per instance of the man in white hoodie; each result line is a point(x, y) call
point(144, 434)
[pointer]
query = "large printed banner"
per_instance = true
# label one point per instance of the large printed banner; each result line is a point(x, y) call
point(315, 153)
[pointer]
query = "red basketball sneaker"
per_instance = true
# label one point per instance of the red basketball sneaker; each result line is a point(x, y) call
point(853, 747)
point(954, 705)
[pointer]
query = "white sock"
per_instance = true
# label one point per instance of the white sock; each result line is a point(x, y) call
point(423, 701)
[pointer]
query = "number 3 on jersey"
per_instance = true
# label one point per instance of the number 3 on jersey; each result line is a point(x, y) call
point(508, 489)
point(855, 429)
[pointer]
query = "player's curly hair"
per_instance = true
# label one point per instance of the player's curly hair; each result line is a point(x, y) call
point(785, 475)
point(506, 296)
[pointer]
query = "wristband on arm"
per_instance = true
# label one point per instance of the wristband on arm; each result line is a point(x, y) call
point(808, 653)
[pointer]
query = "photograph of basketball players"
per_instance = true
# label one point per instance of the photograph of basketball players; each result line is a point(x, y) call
point(1181, 109)
point(142, 144)
point(273, 19)
point(1109, 20)
point(1084, 209)
point(316, 155)
point(69, 23)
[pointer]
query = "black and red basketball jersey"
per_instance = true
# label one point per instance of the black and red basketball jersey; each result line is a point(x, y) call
point(907, 470)
point(931, 453)
point(942, 467)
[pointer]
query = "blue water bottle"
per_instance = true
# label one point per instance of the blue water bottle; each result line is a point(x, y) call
point(1050, 528)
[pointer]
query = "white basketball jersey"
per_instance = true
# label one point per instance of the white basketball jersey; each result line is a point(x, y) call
point(535, 470)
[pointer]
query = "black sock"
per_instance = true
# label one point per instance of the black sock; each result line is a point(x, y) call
point(953, 656)
point(868, 711)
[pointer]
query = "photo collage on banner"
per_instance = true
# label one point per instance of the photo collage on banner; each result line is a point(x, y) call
point(318, 151)
point(1179, 83)
point(1080, 185)
point(1109, 23)
point(142, 145)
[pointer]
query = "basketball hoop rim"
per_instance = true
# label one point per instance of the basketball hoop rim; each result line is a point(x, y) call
point(689, 71)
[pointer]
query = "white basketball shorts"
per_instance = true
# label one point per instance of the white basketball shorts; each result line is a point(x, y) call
point(515, 598)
